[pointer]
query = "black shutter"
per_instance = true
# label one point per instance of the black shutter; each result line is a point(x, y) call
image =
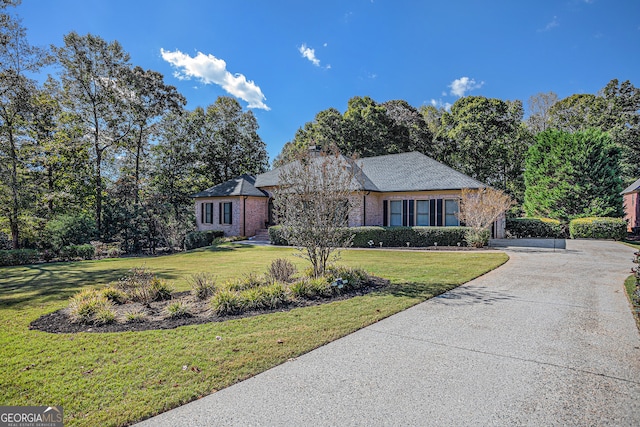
point(230, 212)
point(202, 213)
point(220, 213)
point(439, 212)
point(412, 221)
point(405, 211)
point(385, 212)
point(432, 212)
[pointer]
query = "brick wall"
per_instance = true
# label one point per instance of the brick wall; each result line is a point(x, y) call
point(632, 210)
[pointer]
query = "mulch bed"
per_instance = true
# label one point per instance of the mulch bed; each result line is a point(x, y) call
point(156, 318)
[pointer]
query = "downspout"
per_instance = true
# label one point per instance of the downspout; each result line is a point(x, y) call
point(244, 216)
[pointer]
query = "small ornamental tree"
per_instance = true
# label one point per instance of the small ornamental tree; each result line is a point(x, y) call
point(479, 208)
point(312, 205)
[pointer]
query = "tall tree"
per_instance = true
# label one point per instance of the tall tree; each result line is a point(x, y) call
point(569, 175)
point(94, 80)
point(149, 98)
point(17, 58)
point(540, 110)
point(227, 141)
point(486, 141)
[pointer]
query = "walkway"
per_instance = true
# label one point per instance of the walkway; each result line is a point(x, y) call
point(547, 339)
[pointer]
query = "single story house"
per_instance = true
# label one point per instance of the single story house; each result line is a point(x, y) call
point(406, 189)
point(632, 206)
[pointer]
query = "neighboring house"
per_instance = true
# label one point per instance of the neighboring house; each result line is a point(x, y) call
point(406, 189)
point(632, 206)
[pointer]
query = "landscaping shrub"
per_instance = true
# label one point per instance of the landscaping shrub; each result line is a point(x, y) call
point(104, 316)
point(135, 315)
point(19, 257)
point(282, 270)
point(310, 288)
point(248, 281)
point(353, 278)
point(203, 285)
point(90, 306)
point(275, 235)
point(117, 296)
point(477, 238)
point(200, 239)
point(226, 301)
point(178, 309)
point(71, 252)
point(141, 285)
point(365, 237)
point(598, 228)
point(535, 228)
point(264, 297)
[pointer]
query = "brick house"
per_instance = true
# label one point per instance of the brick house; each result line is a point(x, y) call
point(406, 189)
point(631, 200)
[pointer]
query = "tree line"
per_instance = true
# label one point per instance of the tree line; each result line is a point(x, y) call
point(105, 150)
point(569, 157)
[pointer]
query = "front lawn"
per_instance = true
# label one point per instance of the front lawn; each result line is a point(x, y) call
point(120, 378)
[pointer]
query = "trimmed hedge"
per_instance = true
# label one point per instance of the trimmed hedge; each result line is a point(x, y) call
point(200, 239)
point(536, 228)
point(19, 257)
point(598, 228)
point(394, 236)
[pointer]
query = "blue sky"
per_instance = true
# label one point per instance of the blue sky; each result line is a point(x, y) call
point(288, 60)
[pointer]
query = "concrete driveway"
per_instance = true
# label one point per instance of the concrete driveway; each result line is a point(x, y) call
point(547, 339)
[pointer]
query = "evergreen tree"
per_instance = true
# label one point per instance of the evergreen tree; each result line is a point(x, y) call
point(571, 175)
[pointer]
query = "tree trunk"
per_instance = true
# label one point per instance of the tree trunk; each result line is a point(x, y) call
point(13, 217)
point(98, 178)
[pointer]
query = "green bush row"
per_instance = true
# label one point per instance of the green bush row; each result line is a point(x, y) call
point(520, 228)
point(365, 237)
point(598, 228)
point(200, 239)
point(18, 257)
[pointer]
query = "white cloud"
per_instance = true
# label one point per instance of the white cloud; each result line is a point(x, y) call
point(211, 70)
point(439, 104)
point(551, 25)
point(309, 53)
point(462, 85)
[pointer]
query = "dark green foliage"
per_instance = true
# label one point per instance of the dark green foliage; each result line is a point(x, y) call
point(275, 236)
point(18, 257)
point(394, 236)
point(535, 228)
point(5, 243)
point(200, 239)
point(569, 175)
point(66, 230)
point(598, 228)
point(416, 236)
point(71, 252)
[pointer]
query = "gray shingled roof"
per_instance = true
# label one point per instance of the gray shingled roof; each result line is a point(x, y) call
point(397, 172)
point(413, 172)
point(239, 186)
point(633, 188)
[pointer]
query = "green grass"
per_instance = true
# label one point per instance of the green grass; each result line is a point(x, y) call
point(630, 287)
point(118, 378)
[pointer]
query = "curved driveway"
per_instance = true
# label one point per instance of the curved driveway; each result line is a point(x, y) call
point(546, 339)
